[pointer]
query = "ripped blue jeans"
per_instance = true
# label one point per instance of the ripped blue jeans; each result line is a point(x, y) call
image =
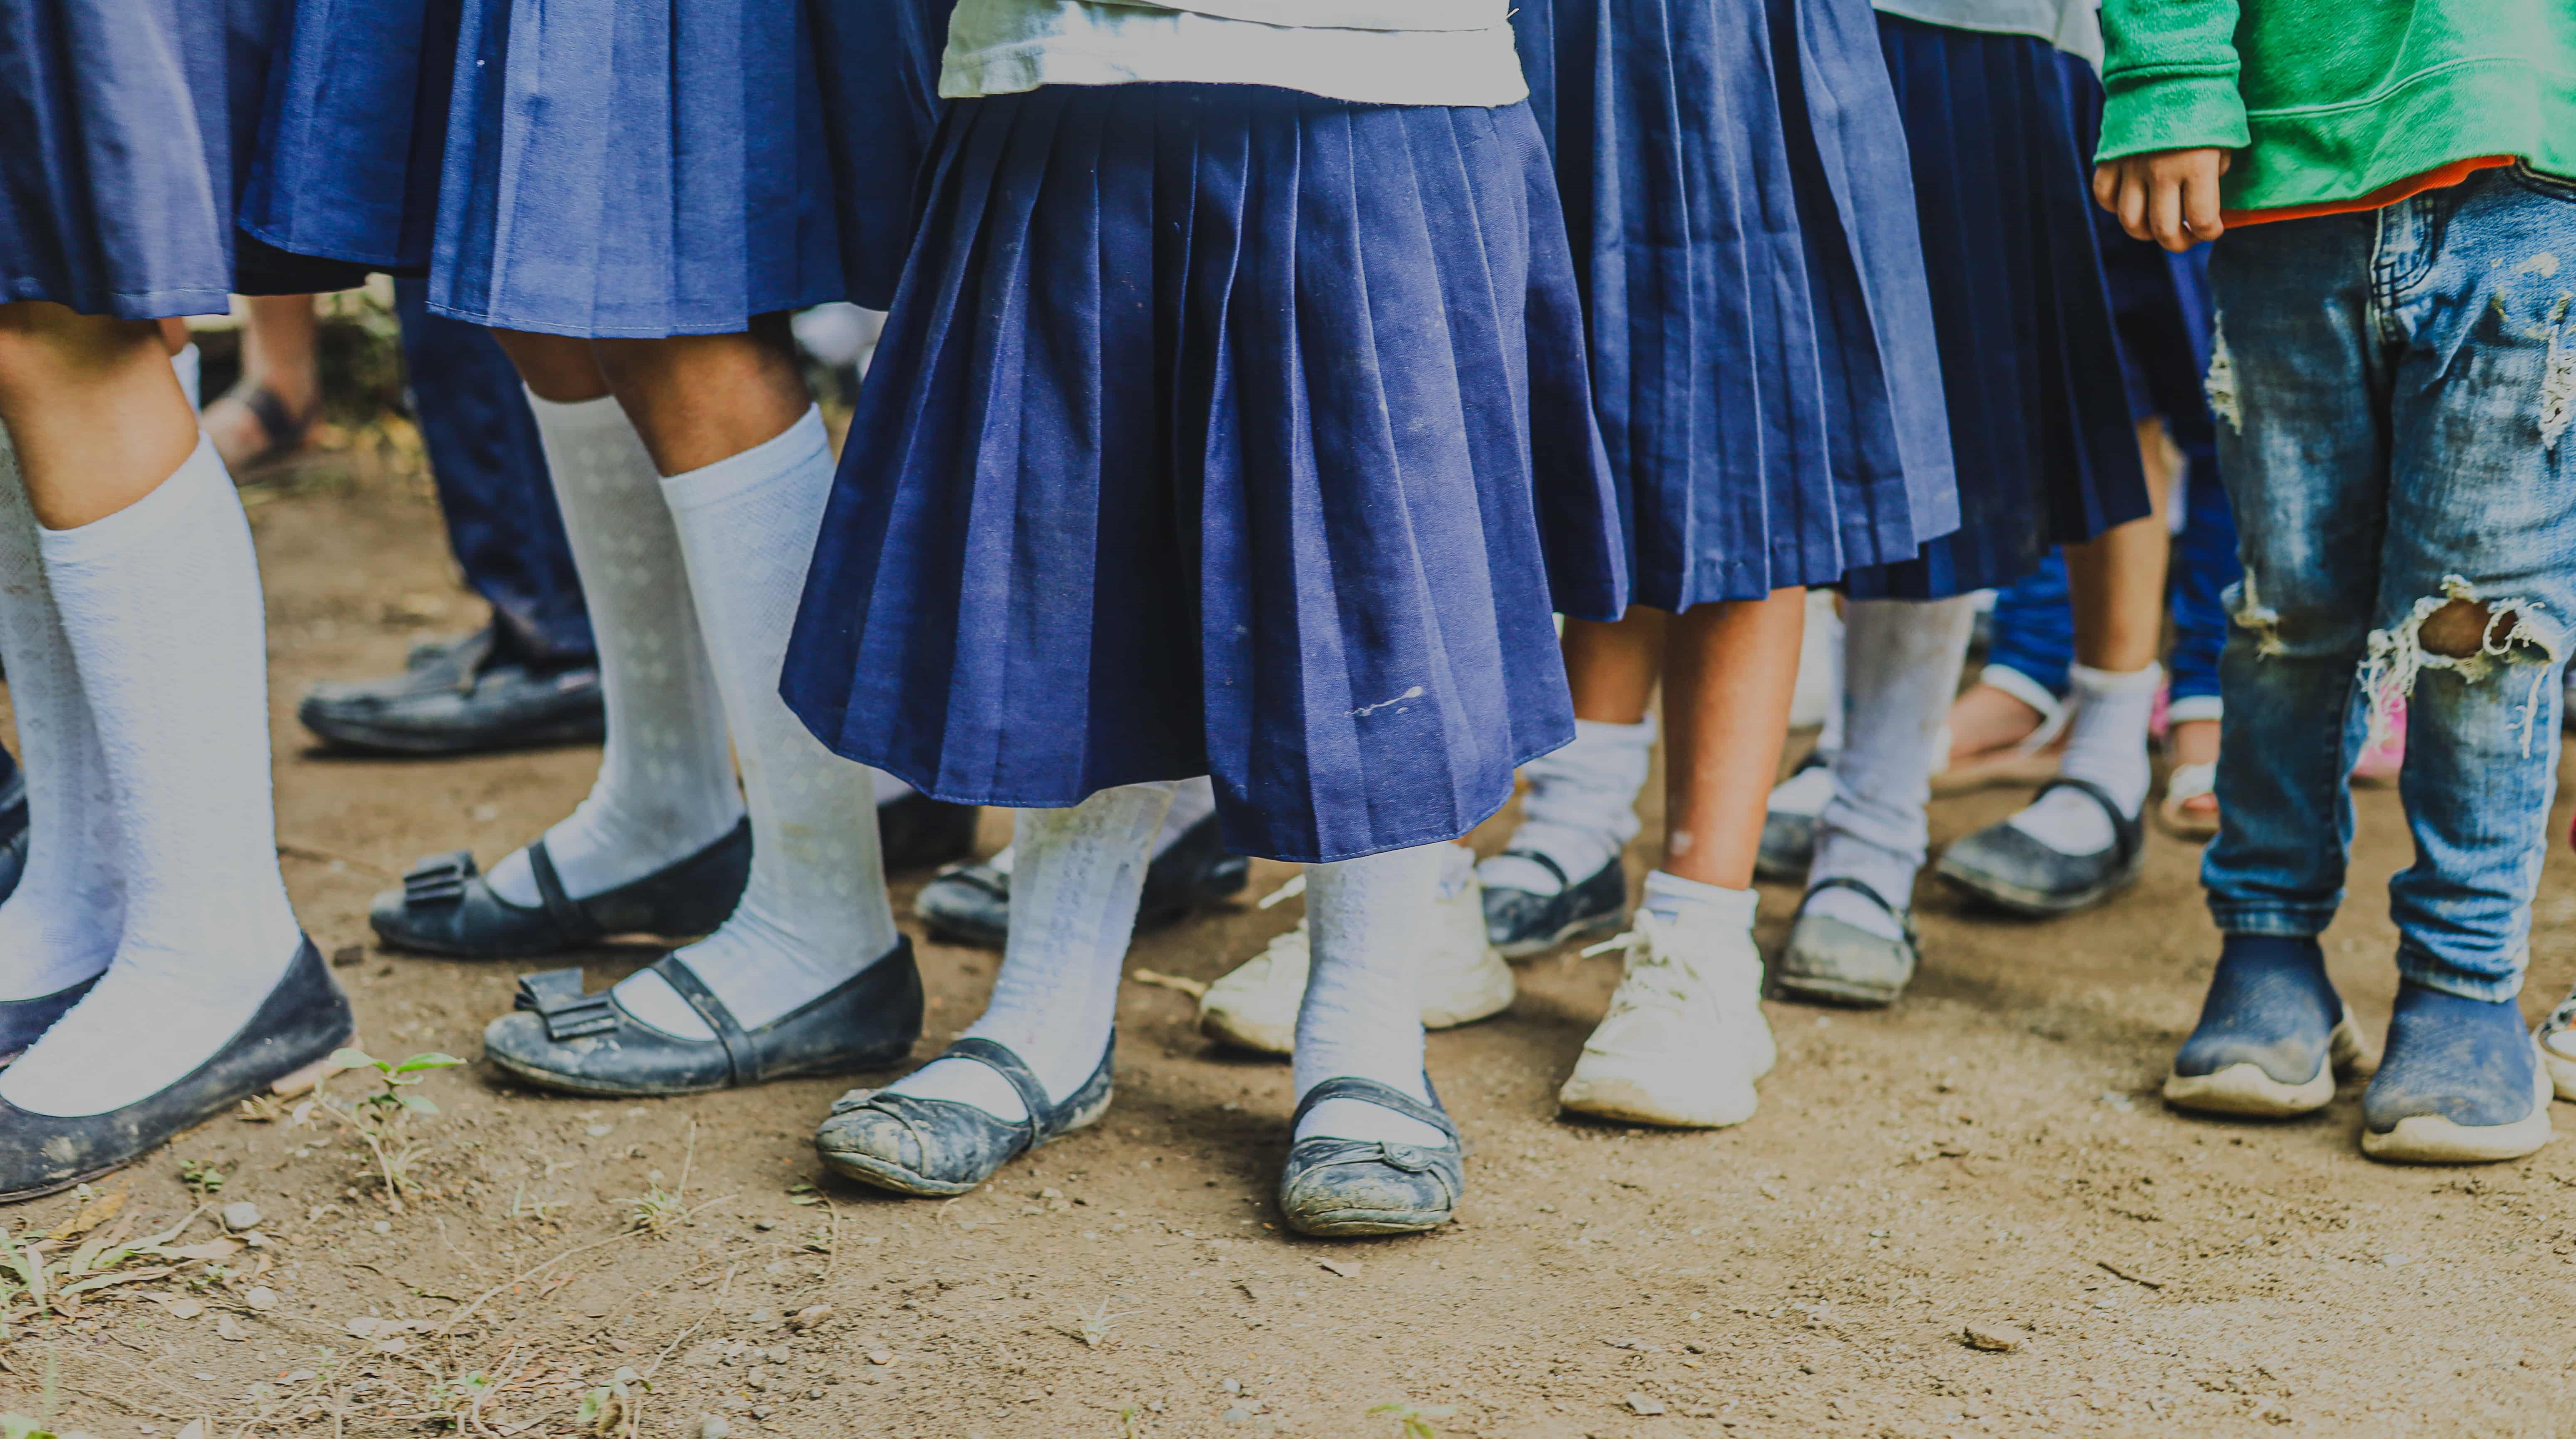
point(2393, 391)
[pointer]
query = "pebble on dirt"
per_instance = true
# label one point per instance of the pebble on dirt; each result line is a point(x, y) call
point(260, 1297)
point(2000, 1338)
point(241, 1214)
point(809, 1316)
point(1645, 1404)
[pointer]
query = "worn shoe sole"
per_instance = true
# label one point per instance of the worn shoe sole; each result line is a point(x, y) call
point(1366, 1223)
point(2431, 1139)
point(1524, 948)
point(867, 1063)
point(286, 1087)
point(359, 737)
point(2562, 1072)
point(2244, 1089)
point(887, 1175)
point(1629, 1102)
point(1844, 993)
point(2035, 903)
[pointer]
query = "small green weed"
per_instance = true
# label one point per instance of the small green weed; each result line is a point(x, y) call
point(382, 1119)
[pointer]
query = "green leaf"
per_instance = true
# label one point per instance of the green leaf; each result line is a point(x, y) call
point(347, 1059)
point(420, 1103)
point(593, 1405)
point(427, 1061)
point(19, 1426)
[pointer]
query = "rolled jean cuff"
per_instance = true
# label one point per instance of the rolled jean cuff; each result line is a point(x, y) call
point(2184, 709)
point(2279, 920)
point(2417, 966)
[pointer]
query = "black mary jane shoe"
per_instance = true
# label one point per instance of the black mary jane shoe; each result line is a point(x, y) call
point(295, 1030)
point(1349, 1188)
point(24, 1021)
point(1788, 844)
point(1519, 923)
point(446, 907)
point(560, 1038)
point(2012, 871)
point(916, 831)
point(472, 695)
point(13, 831)
point(1829, 962)
point(971, 903)
point(938, 1147)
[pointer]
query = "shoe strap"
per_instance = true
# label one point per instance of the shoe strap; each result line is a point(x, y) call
point(571, 921)
point(1015, 1071)
point(2128, 831)
point(1815, 759)
point(742, 1056)
point(1564, 881)
point(1384, 1096)
point(1866, 890)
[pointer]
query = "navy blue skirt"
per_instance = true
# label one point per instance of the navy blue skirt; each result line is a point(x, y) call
point(120, 125)
point(2001, 129)
point(600, 168)
point(1762, 357)
point(1219, 430)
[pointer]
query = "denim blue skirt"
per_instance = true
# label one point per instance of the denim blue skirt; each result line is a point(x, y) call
point(1224, 430)
point(2001, 130)
point(1762, 358)
point(122, 125)
point(605, 169)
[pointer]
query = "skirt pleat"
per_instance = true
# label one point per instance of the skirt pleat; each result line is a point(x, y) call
point(2001, 130)
point(1756, 301)
point(123, 124)
point(604, 169)
point(1214, 431)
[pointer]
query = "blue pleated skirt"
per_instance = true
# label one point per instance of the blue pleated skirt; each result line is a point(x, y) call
point(1219, 430)
point(1761, 334)
point(121, 122)
point(2001, 130)
point(605, 169)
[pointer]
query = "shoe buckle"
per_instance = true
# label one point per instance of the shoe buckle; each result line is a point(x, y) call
point(555, 996)
point(1410, 1158)
point(439, 879)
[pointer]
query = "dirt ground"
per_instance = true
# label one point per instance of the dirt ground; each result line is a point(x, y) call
point(1990, 1152)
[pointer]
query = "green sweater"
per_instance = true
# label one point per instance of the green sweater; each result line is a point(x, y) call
point(2327, 100)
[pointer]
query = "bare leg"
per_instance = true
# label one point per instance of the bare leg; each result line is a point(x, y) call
point(555, 367)
point(281, 353)
point(94, 410)
point(697, 399)
point(1729, 672)
point(2117, 578)
point(1612, 667)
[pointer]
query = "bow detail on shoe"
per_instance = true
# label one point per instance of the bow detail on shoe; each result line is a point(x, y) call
point(439, 878)
point(556, 998)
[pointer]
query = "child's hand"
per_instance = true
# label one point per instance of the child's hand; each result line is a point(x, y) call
point(2169, 196)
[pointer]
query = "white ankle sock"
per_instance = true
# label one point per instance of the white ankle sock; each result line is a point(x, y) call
point(62, 924)
point(1581, 809)
point(1073, 909)
point(2106, 743)
point(1362, 1015)
point(815, 911)
point(1902, 660)
point(1697, 906)
point(1192, 800)
point(161, 605)
point(666, 785)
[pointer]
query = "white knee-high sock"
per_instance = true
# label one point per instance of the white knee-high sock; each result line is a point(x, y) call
point(1192, 800)
point(666, 785)
point(1362, 1014)
point(1073, 908)
point(62, 924)
point(816, 911)
point(2106, 743)
point(1581, 809)
point(1901, 667)
point(161, 605)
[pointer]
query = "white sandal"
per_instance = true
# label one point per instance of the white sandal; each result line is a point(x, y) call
point(2185, 783)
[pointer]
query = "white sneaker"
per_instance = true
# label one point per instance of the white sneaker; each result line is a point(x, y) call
point(2557, 1036)
point(1684, 1039)
point(1463, 979)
